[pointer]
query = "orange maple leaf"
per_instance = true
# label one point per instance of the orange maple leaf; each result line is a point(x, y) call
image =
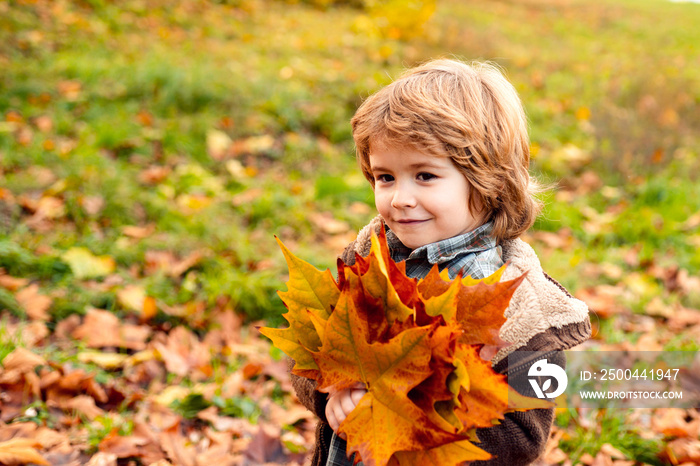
point(385, 420)
point(480, 303)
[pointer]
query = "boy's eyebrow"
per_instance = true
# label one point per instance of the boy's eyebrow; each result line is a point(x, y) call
point(415, 166)
point(426, 165)
point(376, 168)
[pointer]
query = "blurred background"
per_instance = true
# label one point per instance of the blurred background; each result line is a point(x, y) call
point(151, 150)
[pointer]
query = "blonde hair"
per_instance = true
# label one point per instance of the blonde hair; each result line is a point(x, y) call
point(471, 113)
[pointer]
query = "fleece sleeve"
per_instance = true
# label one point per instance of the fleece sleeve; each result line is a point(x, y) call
point(315, 402)
point(312, 399)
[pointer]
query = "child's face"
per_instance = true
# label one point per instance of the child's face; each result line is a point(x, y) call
point(423, 198)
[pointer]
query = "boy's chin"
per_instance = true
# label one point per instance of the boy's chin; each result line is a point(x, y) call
point(411, 243)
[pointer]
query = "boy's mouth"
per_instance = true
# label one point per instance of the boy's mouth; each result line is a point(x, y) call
point(410, 221)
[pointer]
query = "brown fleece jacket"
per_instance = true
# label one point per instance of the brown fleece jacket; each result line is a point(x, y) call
point(542, 316)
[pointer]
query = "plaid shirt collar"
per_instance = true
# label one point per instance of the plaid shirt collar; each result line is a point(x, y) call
point(476, 240)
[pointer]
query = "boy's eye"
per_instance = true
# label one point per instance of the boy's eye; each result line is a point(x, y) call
point(384, 178)
point(425, 176)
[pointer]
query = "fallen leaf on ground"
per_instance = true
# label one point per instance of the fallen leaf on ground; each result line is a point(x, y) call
point(266, 445)
point(122, 446)
point(84, 405)
point(85, 264)
point(601, 300)
point(101, 329)
point(139, 232)
point(683, 317)
point(103, 459)
point(611, 451)
point(11, 283)
point(32, 334)
point(328, 224)
point(675, 422)
point(36, 305)
point(178, 449)
point(153, 175)
point(21, 451)
point(103, 360)
point(132, 297)
point(183, 353)
point(22, 360)
point(170, 394)
point(218, 143)
point(684, 450)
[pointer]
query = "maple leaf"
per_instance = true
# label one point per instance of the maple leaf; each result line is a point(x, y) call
point(385, 420)
point(450, 453)
point(480, 303)
point(383, 279)
point(310, 297)
point(485, 399)
point(415, 345)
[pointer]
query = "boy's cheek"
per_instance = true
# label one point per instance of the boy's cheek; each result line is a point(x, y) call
point(380, 200)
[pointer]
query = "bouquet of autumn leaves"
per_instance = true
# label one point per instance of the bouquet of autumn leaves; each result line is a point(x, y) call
point(413, 343)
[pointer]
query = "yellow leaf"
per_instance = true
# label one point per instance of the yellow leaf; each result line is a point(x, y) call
point(84, 264)
point(259, 144)
point(286, 340)
point(139, 357)
point(193, 202)
point(103, 360)
point(170, 394)
point(451, 453)
point(490, 280)
point(444, 304)
point(132, 297)
point(218, 143)
point(236, 169)
point(308, 291)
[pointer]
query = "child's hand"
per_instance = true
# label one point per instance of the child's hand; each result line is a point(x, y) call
point(341, 403)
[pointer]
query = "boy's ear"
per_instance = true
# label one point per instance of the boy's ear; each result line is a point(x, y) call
point(477, 201)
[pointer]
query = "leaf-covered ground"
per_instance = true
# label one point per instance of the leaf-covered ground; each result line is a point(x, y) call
point(150, 150)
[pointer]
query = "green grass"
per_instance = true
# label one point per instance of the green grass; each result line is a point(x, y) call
point(37, 412)
point(609, 426)
point(128, 88)
point(104, 425)
point(8, 341)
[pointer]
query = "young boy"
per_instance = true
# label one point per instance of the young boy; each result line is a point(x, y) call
point(446, 150)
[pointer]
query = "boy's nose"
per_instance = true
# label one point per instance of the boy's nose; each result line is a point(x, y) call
point(403, 197)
